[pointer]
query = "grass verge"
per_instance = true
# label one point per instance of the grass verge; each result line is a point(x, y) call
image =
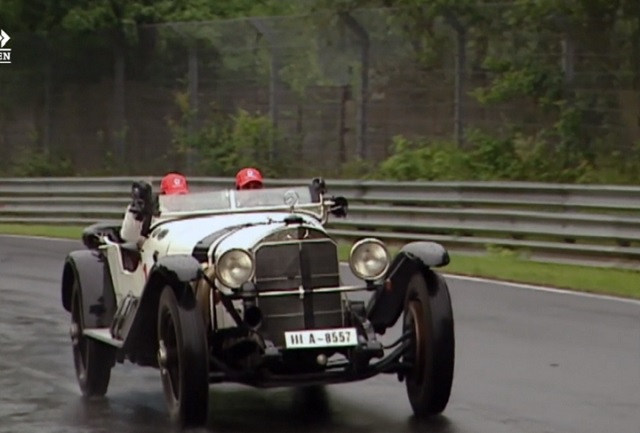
point(497, 266)
point(506, 267)
point(66, 232)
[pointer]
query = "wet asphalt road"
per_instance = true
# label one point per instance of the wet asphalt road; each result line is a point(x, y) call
point(527, 362)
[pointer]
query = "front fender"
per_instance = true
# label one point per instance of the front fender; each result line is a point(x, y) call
point(175, 271)
point(386, 305)
point(178, 268)
point(90, 270)
point(429, 254)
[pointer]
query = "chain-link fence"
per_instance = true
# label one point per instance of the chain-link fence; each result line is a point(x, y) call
point(317, 91)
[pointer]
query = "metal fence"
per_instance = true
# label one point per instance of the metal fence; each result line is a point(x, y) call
point(589, 225)
point(335, 87)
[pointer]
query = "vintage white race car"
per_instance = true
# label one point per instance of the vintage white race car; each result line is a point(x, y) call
point(245, 287)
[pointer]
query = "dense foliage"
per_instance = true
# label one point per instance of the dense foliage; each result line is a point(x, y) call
point(591, 128)
point(586, 125)
point(89, 15)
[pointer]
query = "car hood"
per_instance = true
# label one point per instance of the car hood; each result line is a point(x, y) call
point(202, 236)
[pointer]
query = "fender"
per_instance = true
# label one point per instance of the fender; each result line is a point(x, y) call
point(387, 304)
point(90, 269)
point(177, 271)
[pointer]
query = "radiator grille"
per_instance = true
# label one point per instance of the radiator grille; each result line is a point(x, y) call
point(282, 266)
point(278, 266)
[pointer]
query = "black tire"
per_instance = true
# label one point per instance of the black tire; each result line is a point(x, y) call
point(93, 360)
point(429, 314)
point(183, 358)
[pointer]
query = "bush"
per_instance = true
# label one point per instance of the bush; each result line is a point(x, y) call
point(225, 143)
point(40, 163)
point(423, 160)
point(514, 158)
point(559, 153)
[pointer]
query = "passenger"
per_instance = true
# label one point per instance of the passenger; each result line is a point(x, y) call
point(249, 178)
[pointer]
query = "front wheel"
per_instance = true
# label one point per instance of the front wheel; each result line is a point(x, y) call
point(429, 316)
point(93, 360)
point(183, 358)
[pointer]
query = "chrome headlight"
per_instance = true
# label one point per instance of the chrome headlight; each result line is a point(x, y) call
point(369, 259)
point(235, 267)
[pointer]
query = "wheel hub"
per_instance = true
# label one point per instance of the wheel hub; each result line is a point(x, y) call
point(74, 333)
point(418, 339)
point(162, 356)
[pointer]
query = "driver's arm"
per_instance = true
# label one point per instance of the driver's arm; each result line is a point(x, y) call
point(141, 207)
point(131, 228)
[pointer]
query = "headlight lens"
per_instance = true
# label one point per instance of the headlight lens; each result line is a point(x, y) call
point(235, 267)
point(369, 259)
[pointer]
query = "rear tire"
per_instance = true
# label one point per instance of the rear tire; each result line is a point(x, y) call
point(93, 360)
point(183, 358)
point(428, 313)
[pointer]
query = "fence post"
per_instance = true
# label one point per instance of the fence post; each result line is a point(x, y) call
point(459, 81)
point(567, 61)
point(193, 99)
point(274, 81)
point(47, 108)
point(119, 118)
point(461, 66)
point(345, 97)
point(362, 111)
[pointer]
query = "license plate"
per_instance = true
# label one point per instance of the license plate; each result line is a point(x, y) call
point(341, 337)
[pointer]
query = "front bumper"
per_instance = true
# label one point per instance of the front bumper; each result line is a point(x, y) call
point(357, 368)
point(249, 291)
point(274, 367)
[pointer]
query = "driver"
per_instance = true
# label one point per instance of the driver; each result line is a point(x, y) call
point(249, 178)
point(171, 184)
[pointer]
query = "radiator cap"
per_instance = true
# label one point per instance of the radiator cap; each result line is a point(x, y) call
point(293, 219)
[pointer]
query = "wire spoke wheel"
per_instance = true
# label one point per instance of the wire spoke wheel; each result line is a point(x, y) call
point(183, 359)
point(428, 317)
point(78, 341)
point(416, 354)
point(93, 360)
point(168, 358)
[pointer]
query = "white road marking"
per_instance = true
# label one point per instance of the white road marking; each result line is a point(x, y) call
point(40, 238)
point(546, 289)
point(543, 289)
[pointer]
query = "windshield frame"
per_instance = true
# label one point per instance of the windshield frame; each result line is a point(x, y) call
point(233, 198)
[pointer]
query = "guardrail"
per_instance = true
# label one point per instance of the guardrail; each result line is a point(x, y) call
point(597, 225)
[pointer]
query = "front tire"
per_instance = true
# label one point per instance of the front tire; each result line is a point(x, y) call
point(93, 360)
point(183, 358)
point(428, 313)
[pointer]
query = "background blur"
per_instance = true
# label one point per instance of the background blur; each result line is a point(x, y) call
point(333, 92)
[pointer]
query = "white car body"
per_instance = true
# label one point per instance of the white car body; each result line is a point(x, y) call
point(182, 237)
point(245, 287)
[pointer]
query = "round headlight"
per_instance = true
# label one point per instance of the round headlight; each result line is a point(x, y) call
point(369, 259)
point(235, 267)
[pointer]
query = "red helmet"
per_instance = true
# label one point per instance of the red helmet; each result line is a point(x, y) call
point(249, 178)
point(174, 183)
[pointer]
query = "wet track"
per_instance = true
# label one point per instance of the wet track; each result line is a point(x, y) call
point(527, 361)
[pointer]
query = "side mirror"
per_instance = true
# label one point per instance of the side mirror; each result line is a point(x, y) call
point(340, 207)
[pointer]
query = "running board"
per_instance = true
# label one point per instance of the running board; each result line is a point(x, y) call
point(103, 335)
